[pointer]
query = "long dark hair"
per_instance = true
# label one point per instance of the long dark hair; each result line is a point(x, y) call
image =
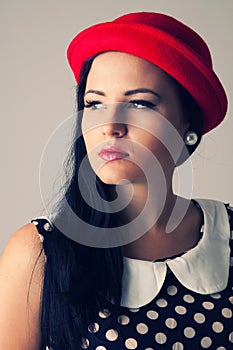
point(78, 279)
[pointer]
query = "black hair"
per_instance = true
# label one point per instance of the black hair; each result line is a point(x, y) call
point(192, 113)
point(78, 280)
point(194, 116)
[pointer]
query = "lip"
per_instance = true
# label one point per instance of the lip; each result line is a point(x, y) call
point(112, 153)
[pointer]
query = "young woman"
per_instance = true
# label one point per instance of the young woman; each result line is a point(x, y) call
point(127, 264)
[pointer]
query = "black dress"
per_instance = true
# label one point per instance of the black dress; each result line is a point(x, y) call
point(185, 302)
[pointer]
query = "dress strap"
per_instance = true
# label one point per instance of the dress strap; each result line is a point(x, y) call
point(44, 228)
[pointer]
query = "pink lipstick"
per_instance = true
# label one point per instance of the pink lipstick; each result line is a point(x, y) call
point(112, 153)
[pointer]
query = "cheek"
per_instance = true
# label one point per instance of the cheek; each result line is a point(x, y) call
point(166, 151)
point(87, 141)
point(147, 149)
point(148, 140)
point(90, 140)
point(157, 148)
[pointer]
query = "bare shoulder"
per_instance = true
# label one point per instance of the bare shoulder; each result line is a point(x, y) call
point(26, 239)
point(23, 250)
point(21, 279)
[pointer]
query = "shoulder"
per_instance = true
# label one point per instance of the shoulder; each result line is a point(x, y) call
point(21, 277)
point(27, 234)
point(22, 262)
point(23, 259)
point(23, 246)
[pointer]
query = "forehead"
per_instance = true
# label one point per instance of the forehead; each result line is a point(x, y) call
point(122, 68)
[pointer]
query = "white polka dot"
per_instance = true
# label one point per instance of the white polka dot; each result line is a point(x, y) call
point(41, 237)
point(177, 346)
point(188, 298)
point(171, 290)
point(221, 348)
point(217, 327)
point(131, 343)
point(93, 327)
point(160, 338)
point(47, 227)
point(208, 305)
point(161, 302)
point(122, 319)
point(142, 328)
point(85, 343)
point(206, 342)
point(111, 334)
point(189, 332)
point(149, 349)
point(181, 310)
point(134, 309)
point(171, 323)
point(151, 314)
point(231, 299)
point(100, 348)
point(226, 312)
point(199, 318)
point(231, 337)
point(216, 295)
point(104, 313)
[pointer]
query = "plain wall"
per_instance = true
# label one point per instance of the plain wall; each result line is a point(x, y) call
point(37, 90)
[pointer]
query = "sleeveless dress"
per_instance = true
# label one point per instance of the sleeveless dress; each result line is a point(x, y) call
point(185, 302)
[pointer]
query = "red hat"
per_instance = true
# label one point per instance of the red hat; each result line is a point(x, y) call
point(165, 42)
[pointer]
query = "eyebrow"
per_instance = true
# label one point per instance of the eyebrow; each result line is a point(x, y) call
point(97, 92)
point(140, 90)
point(127, 93)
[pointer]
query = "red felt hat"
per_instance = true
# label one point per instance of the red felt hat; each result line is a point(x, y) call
point(165, 42)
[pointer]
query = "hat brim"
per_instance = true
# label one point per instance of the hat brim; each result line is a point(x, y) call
point(161, 49)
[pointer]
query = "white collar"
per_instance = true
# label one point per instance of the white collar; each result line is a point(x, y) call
point(203, 269)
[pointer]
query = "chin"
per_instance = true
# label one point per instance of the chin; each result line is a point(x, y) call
point(114, 173)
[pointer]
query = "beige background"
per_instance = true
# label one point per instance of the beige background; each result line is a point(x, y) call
point(37, 90)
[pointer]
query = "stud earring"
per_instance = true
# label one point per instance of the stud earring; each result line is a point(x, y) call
point(190, 138)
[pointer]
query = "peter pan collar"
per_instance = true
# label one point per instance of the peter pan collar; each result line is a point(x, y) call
point(204, 269)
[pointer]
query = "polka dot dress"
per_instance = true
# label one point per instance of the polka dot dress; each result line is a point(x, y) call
point(176, 319)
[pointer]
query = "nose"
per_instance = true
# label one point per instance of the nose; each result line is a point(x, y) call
point(114, 129)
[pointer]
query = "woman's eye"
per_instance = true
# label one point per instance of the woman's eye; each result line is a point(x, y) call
point(93, 104)
point(141, 104)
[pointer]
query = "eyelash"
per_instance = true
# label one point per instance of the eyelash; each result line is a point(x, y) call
point(91, 104)
point(144, 103)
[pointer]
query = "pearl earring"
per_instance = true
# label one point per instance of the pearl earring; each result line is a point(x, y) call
point(190, 138)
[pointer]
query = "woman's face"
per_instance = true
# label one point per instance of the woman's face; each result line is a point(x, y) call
point(132, 114)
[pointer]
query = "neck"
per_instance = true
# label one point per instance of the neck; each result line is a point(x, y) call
point(153, 201)
point(172, 223)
